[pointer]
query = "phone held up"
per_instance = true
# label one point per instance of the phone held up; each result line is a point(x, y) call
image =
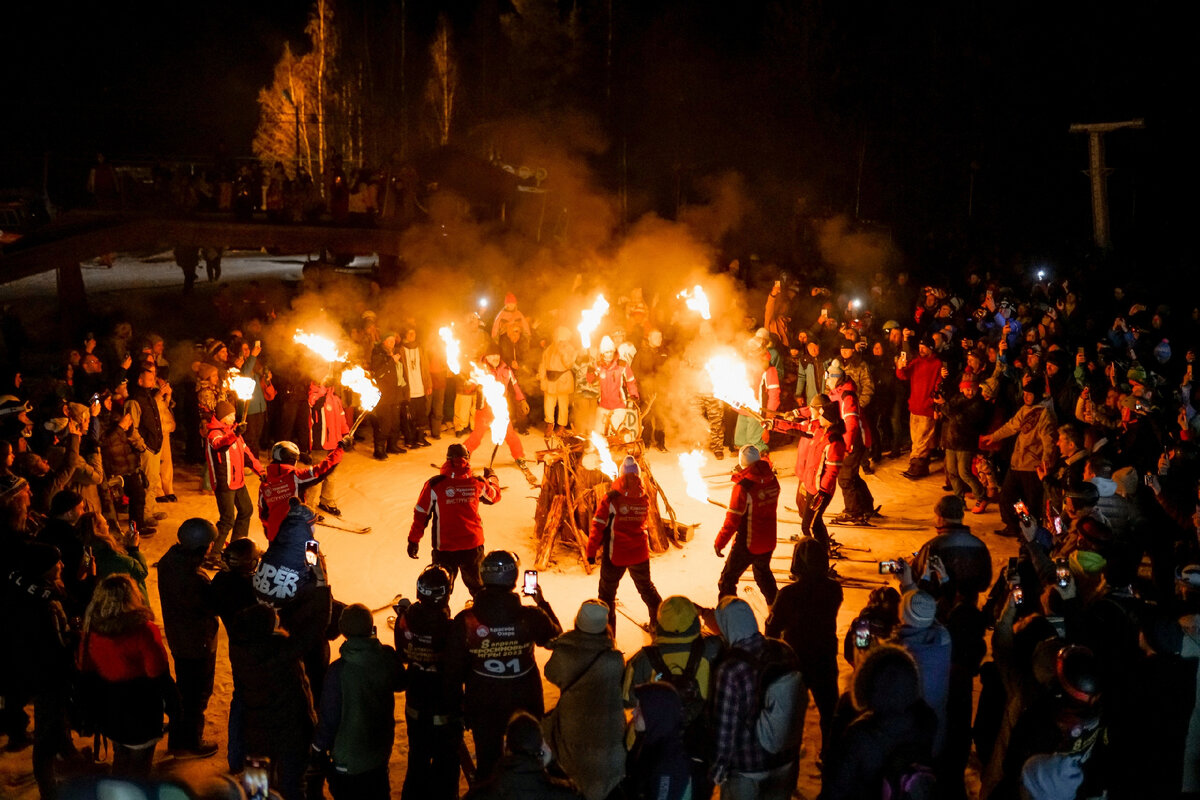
point(530, 586)
point(312, 549)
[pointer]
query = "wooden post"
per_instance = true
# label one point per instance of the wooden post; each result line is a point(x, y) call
point(1098, 173)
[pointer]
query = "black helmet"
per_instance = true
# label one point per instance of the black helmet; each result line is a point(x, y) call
point(285, 453)
point(827, 409)
point(197, 534)
point(500, 568)
point(1078, 675)
point(241, 555)
point(433, 584)
point(457, 450)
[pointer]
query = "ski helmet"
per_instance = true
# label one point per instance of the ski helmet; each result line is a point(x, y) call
point(748, 455)
point(627, 350)
point(827, 409)
point(500, 568)
point(242, 555)
point(434, 584)
point(607, 346)
point(1078, 676)
point(457, 450)
point(285, 453)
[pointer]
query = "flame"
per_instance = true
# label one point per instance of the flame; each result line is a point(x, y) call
point(728, 375)
point(690, 465)
point(607, 465)
point(453, 350)
point(325, 348)
point(241, 385)
point(496, 395)
point(356, 380)
point(591, 320)
point(697, 301)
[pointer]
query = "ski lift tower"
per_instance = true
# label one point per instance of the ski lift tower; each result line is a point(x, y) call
point(1098, 173)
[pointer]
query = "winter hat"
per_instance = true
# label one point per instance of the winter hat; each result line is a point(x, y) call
point(748, 455)
point(677, 618)
point(10, 486)
point(457, 450)
point(1094, 534)
point(592, 617)
point(1087, 562)
point(763, 335)
point(1136, 375)
point(56, 425)
point(835, 370)
point(64, 501)
point(630, 466)
point(1033, 387)
point(812, 557)
point(1126, 479)
point(967, 381)
point(1162, 351)
point(241, 554)
point(523, 735)
point(926, 340)
point(891, 323)
point(510, 299)
point(356, 620)
point(1189, 577)
point(493, 349)
point(214, 346)
point(38, 558)
point(77, 411)
point(1085, 495)
point(917, 608)
point(735, 619)
point(1049, 776)
point(224, 409)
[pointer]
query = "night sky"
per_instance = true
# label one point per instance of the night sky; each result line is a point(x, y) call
point(790, 94)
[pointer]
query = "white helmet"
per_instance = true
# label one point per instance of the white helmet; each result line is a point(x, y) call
point(748, 455)
point(285, 453)
point(607, 346)
point(627, 350)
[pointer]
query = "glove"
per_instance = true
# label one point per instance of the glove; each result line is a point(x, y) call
point(240, 428)
point(347, 442)
point(412, 549)
point(525, 408)
point(718, 551)
point(488, 472)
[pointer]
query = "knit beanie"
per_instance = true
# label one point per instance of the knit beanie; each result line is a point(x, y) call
point(224, 409)
point(214, 347)
point(917, 608)
point(630, 466)
point(10, 486)
point(592, 617)
point(677, 617)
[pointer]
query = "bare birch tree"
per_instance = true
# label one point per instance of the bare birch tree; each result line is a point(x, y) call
point(442, 88)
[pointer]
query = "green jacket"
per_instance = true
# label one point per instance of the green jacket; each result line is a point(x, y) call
point(356, 721)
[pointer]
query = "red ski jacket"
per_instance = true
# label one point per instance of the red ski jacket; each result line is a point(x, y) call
point(617, 384)
point(823, 461)
point(282, 482)
point(620, 523)
point(753, 505)
point(328, 417)
point(450, 501)
point(846, 396)
point(923, 374)
point(227, 456)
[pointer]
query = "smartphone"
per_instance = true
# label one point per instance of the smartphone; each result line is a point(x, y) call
point(1062, 572)
point(1022, 512)
point(256, 780)
point(1011, 574)
point(1148, 479)
point(311, 548)
point(257, 343)
point(530, 586)
point(889, 567)
point(1057, 525)
point(862, 634)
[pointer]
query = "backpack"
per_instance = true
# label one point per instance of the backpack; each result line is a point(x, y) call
point(782, 701)
point(685, 682)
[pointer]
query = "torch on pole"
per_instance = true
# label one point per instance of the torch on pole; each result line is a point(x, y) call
point(358, 422)
point(493, 458)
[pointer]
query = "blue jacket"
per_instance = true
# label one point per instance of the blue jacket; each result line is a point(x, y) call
point(930, 648)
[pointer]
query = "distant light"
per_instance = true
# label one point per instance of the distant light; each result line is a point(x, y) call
point(483, 302)
point(1041, 274)
point(856, 303)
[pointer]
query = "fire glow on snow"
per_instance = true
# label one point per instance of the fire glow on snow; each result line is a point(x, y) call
point(690, 465)
point(325, 348)
point(356, 380)
point(591, 320)
point(728, 375)
point(241, 385)
point(607, 465)
point(453, 350)
point(497, 400)
point(697, 301)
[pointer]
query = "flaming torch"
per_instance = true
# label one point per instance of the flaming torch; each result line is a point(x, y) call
point(728, 375)
point(242, 387)
point(690, 465)
point(496, 396)
point(591, 320)
point(453, 350)
point(325, 348)
point(357, 381)
point(607, 465)
point(697, 301)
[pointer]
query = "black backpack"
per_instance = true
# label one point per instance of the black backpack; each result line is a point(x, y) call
point(696, 730)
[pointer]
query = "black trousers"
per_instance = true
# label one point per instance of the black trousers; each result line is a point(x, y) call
point(464, 561)
point(194, 679)
point(135, 490)
point(236, 510)
point(610, 578)
point(821, 678)
point(416, 419)
point(811, 523)
point(384, 421)
point(433, 759)
point(740, 558)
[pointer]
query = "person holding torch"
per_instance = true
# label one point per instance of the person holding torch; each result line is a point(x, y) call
point(228, 457)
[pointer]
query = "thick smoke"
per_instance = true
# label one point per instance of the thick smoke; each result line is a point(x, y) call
point(860, 253)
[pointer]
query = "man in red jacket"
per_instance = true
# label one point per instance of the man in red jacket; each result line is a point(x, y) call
point(450, 501)
point(750, 523)
point(858, 500)
point(620, 528)
point(924, 376)
point(819, 457)
point(284, 480)
point(228, 457)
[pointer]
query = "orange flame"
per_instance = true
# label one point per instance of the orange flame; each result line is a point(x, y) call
point(728, 375)
point(357, 381)
point(607, 465)
point(697, 301)
point(497, 399)
point(325, 348)
point(591, 320)
point(242, 386)
point(690, 465)
point(453, 350)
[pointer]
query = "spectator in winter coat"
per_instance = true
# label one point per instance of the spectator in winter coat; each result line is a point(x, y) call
point(751, 524)
point(148, 430)
point(810, 381)
point(232, 592)
point(124, 649)
point(928, 642)
point(750, 431)
point(113, 556)
point(228, 458)
point(355, 723)
point(414, 412)
point(619, 527)
point(1034, 427)
point(522, 770)
point(966, 416)
point(659, 767)
point(450, 501)
point(585, 730)
point(510, 315)
point(963, 554)
point(556, 376)
point(389, 377)
point(63, 531)
point(923, 376)
point(190, 623)
point(328, 429)
point(893, 725)
point(117, 449)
